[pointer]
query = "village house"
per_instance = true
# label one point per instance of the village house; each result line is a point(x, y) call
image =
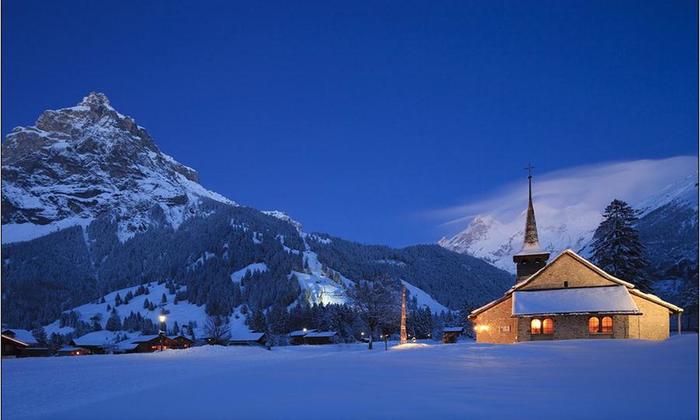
point(12, 347)
point(568, 298)
point(248, 339)
point(451, 334)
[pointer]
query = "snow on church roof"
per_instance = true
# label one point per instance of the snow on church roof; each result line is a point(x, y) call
point(607, 299)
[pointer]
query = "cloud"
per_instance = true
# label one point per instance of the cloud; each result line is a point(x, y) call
point(581, 191)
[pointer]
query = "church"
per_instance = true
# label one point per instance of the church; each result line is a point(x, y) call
point(568, 298)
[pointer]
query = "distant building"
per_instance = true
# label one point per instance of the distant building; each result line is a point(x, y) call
point(31, 346)
point(248, 339)
point(320, 337)
point(11, 347)
point(72, 351)
point(297, 337)
point(568, 298)
point(451, 334)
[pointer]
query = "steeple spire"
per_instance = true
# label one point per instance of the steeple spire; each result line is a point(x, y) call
point(531, 257)
point(531, 241)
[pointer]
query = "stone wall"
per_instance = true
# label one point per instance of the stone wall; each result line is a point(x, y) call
point(654, 324)
point(568, 327)
point(567, 268)
point(496, 324)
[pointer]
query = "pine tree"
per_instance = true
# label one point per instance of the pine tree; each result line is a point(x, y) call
point(114, 323)
point(117, 300)
point(617, 248)
point(40, 336)
point(164, 299)
point(146, 304)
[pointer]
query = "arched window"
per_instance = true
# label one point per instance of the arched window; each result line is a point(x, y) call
point(607, 325)
point(548, 326)
point(593, 325)
point(535, 326)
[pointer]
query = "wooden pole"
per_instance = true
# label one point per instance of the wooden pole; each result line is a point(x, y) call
point(679, 323)
point(404, 338)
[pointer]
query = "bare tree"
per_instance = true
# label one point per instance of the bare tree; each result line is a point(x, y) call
point(378, 303)
point(217, 330)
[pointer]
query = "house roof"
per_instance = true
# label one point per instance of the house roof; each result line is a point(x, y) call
point(605, 299)
point(320, 334)
point(631, 288)
point(25, 336)
point(253, 336)
point(453, 329)
point(300, 333)
point(16, 341)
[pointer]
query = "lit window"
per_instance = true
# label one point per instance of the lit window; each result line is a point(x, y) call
point(593, 325)
point(536, 326)
point(548, 326)
point(607, 325)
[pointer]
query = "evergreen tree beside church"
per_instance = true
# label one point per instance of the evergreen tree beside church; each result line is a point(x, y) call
point(617, 248)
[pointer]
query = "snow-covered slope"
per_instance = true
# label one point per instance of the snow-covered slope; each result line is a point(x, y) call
point(568, 214)
point(76, 163)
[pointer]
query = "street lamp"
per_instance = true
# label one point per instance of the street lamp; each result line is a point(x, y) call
point(161, 333)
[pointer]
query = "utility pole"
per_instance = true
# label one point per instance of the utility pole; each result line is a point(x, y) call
point(404, 337)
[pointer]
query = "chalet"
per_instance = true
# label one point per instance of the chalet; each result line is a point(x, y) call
point(451, 334)
point(151, 343)
point(32, 348)
point(72, 351)
point(297, 337)
point(568, 298)
point(181, 342)
point(98, 342)
point(248, 339)
point(320, 337)
point(12, 347)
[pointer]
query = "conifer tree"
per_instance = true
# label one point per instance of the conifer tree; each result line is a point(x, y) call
point(617, 248)
point(114, 322)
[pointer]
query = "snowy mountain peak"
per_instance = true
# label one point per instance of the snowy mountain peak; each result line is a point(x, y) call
point(285, 217)
point(77, 163)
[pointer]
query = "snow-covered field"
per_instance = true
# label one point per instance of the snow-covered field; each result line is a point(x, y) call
point(567, 379)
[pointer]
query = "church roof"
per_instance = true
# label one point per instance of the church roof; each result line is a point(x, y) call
point(531, 241)
point(580, 300)
point(631, 288)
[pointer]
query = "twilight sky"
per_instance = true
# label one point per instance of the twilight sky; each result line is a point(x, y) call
point(361, 119)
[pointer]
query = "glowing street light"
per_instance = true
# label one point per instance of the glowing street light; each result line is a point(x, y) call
point(161, 332)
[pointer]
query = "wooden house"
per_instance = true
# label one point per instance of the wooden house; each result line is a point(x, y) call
point(248, 339)
point(451, 334)
point(320, 337)
point(12, 347)
point(72, 351)
point(297, 337)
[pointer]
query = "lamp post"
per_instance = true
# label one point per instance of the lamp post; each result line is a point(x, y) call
point(161, 332)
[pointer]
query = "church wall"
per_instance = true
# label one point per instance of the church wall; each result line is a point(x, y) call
point(653, 324)
point(568, 327)
point(567, 268)
point(496, 325)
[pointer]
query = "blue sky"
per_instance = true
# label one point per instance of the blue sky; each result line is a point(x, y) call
point(358, 118)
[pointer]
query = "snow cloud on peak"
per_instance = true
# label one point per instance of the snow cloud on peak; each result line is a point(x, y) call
point(582, 188)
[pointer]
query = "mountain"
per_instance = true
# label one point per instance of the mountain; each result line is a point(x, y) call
point(78, 163)
point(92, 208)
point(668, 227)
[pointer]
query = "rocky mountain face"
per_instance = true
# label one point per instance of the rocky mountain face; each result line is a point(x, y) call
point(90, 205)
point(78, 163)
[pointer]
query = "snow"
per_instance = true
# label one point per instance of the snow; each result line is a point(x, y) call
point(568, 206)
point(253, 336)
point(453, 329)
point(613, 299)
point(252, 268)
point(320, 289)
point(24, 336)
point(424, 299)
point(181, 313)
point(20, 232)
point(320, 334)
point(574, 379)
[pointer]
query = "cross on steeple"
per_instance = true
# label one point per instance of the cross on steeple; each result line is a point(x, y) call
point(529, 169)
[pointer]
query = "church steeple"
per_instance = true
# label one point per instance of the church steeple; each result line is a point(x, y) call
point(531, 257)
